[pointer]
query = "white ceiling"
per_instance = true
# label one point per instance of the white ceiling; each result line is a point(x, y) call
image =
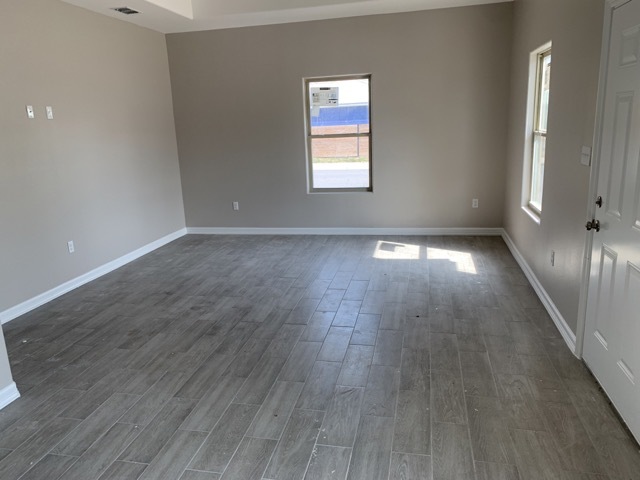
point(171, 16)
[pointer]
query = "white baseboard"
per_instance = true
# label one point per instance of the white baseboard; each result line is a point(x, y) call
point(39, 300)
point(345, 231)
point(568, 336)
point(8, 394)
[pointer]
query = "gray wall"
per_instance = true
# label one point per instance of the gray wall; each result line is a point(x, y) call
point(575, 27)
point(104, 172)
point(5, 369)
point(440, 101)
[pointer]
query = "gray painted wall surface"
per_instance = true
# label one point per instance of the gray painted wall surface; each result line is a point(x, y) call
point(575, 27)
point(104, 173)
point(5, 369)
point(440, 83)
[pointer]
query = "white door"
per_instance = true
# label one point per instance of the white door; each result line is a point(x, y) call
point(612, 333)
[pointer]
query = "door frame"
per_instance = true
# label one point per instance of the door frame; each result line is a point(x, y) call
point(610, 6)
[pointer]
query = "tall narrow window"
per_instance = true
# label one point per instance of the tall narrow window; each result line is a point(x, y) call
point(338, 126)
point(541, 114)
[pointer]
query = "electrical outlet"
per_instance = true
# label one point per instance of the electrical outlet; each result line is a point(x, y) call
point(553, 258)
point(474, 203)
point(236, 206)
point(71, 246)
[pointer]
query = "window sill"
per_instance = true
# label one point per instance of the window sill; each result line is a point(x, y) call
point(533, 215)
point(339, 190)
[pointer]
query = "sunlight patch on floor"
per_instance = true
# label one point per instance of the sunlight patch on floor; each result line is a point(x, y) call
point(463, 260)
point(396, 251)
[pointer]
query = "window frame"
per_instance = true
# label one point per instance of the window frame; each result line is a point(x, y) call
point(310, 136)
point(535, 132)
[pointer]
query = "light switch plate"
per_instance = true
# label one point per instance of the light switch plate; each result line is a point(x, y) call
point(585, 158)
point(30, 112)
point(50, 113)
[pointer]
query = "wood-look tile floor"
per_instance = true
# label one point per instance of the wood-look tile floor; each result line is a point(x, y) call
point(317, 358)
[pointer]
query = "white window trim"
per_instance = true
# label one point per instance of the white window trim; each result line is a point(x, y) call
point(532, 92)
point(308, 136)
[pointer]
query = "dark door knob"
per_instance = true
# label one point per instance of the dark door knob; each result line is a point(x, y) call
point(593, 225)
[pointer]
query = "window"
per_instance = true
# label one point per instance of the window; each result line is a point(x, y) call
point(542, 63)
point(338, 127)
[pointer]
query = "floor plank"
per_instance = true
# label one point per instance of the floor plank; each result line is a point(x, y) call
point(195, 475)
point(356, 365)
point(489, 428)
point(99, 456)
point(257, 386)
point(388, 350)
point(95, 425)
point(412, 432)
point(300, 362)
point(537, 456)
point(372, 449)
point(210, 408)
point(151, 440)
point(341, 420)
point(448, 398)
point(123, 471)
point(220, 445)
point(410, 467)
point(319, 387)
point(250, 460)
point(452, 458)
point(328, 463)
point(274, 413)
point(174, 456)
point(496, 471)
point(415, 369)
point(381, 392)
point(335, 344)
point(293, 452)
point(50, 467)
point(31, 452)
